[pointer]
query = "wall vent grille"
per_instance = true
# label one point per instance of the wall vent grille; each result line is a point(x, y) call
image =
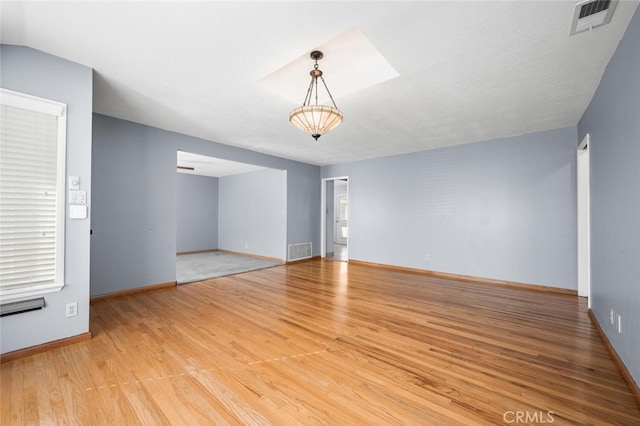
point(300, 251)
point(590, 14)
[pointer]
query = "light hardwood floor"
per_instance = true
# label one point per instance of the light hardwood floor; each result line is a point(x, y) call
point(326, 342)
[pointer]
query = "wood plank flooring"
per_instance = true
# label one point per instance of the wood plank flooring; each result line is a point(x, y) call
point(326, 342)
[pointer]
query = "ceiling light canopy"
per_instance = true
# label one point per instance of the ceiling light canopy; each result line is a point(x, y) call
point(315, 119)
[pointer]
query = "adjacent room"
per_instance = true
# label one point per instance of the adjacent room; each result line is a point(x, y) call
point(440, 200)
point(231, 217)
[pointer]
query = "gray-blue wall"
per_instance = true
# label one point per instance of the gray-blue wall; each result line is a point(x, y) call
point(135, 215)
point(503, 209)
point(613, 123)
point(29, 71)
point(252, 213)
point(134, 194)
point(197, 199)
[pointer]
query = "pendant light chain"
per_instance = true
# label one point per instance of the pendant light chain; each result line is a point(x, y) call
point(325, 86)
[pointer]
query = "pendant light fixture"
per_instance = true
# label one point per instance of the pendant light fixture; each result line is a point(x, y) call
point(315, 119)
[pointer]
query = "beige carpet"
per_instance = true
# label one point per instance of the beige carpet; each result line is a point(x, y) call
point(202, 266)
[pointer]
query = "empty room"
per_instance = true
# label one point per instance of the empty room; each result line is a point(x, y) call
point(448, 193)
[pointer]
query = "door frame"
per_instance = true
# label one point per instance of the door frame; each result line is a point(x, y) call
point(323, 210)
point(583, 219)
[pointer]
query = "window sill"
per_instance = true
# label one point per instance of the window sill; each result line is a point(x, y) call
point(13, 295)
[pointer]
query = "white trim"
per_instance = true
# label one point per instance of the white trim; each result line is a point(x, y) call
point(59, 110)
point(32, 103)
point(61, 189)
point(584, 143)
point(583, 220)
point(25, 292)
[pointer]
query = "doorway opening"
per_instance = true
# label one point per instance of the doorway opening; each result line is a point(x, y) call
point(584, 207)
point(335, 218)
point(231, 217)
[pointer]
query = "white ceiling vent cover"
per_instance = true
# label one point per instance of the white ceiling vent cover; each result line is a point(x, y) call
point(590, 14)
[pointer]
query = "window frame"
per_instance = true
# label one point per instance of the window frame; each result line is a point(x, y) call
point(58, 109)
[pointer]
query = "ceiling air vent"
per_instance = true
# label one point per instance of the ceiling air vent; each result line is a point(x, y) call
point(590, 14)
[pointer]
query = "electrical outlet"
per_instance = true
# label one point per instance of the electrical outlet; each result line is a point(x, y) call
point(427, 258)
point(619, 324)
point(611, 317)
point(72, 309)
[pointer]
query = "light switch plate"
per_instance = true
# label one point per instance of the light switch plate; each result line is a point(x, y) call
point(77, 197)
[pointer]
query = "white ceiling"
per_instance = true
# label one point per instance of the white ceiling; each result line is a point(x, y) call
point(468, 71)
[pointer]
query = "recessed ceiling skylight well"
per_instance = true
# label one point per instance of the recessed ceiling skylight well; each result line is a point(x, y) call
point(350, 59)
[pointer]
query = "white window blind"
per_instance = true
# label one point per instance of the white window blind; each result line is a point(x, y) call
point(32, 170)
